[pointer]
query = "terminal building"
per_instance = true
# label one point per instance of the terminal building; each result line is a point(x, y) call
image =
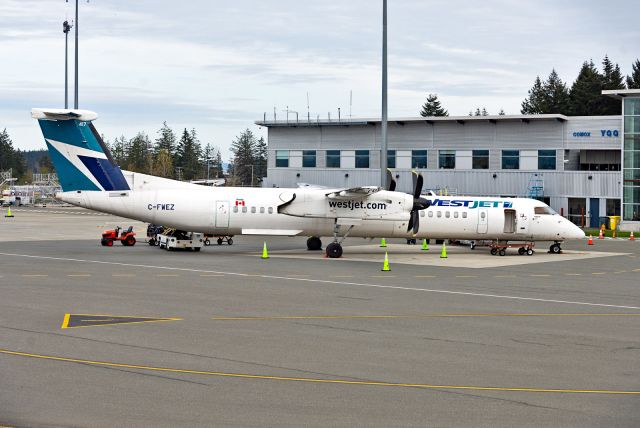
point(574, 164)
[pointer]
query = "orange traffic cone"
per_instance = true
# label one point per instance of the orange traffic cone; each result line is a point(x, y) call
point(590, 240)
point(601, 235)
point(631, 238)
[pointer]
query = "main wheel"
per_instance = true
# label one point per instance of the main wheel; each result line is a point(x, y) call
point(314, 244)
point(334, 250)
point(219, 241)
point(502, 252)
point(555, 249)
point(529, 252)
point(521, 251)
point(494, 251)
point(230, 241)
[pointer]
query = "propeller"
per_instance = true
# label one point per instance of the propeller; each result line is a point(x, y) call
point(418, 203)
point(391, 181)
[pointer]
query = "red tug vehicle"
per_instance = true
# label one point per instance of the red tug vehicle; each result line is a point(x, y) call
point(126, 237)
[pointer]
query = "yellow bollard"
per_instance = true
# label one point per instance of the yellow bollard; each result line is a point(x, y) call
point(385, 265)
point(425, 246)
point(443, 254)
point(383, 243)
point(265, 255)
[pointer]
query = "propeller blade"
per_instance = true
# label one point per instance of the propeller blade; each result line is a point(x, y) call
point(391, 181)
point(417, 186)
point(416, 222)
point(414, 180)
point(410, 226)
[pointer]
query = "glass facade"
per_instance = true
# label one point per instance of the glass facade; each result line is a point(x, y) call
point(480, 159)
point(362, 158)
point(511, 159)
point(631, 167)
point(333, 158)
point(282, 158)
point(447, 159)
point(418, 159)
point(546, 159)
point(309, 158)
point(391, 158)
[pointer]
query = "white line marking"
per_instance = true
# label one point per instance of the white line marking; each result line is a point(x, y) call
point(324, 281)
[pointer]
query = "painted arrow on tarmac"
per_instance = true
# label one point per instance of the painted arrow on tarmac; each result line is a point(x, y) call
point(88, 320)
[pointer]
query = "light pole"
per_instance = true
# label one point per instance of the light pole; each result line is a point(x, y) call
point(75, 100)
point(384, 142)
point(66, 27)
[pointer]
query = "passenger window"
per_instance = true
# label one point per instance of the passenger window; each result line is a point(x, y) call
point(430, 213)
point(244, 209)
point(270, 210)
point(455, 214)
point(464, 215)
point(439, 214)
point(253, 210)
point(261, 210)
point(421, 213)
point(235, 209)
point(447, 214)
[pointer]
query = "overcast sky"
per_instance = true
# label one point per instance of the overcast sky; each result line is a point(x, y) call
point(218, 66)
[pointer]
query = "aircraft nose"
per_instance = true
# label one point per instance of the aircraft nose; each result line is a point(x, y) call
point(575, 231)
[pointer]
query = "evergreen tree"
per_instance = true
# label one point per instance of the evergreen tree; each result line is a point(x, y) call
point(163, 166)
point(261, 159)
point(484, 112)
point(118, 150)
point(633, 81)
point(11, 158)
point(501, 112)
point(535, 103)
point(586, 91)
point(188, 155)
point(556, 95)
point(478, 112)
point(212, 162)
point(432, 107)
point(166, 140)
point(243, 149)
point(612, 79)
point(139, 153)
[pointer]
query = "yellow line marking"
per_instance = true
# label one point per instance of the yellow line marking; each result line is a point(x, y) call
point(332, 317)
point(620, 271)
point(636, 270)
point(34, 275)
point(598, 273)
point(65, 321)
point(318, 380)
point(573, 274)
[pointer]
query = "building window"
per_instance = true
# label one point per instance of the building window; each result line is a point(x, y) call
point(308, 158)
point(480, 159)
point(282, 158)
point(391, 158)
point(546, 159)
point(362, 158)
point(333, 158)
point(418, 159)
point(511, 159)
point(447, 159)
point(631, 166)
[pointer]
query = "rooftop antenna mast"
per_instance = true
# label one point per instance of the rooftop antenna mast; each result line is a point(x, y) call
point(75, 88)
point(384, 142)
point(66, 27)
point(350, 102)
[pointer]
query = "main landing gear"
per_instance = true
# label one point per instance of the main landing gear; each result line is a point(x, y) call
point(555, 248)
point(334, 250)
point(314, 244)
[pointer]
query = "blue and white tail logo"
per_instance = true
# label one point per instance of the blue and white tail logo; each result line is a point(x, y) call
point(79, 155)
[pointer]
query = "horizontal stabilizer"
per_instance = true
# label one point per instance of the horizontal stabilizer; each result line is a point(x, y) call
point(63, 114)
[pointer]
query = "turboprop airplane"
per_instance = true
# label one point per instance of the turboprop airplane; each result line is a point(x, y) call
point(91, 179)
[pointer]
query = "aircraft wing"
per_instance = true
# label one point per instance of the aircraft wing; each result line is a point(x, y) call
point(353, 193)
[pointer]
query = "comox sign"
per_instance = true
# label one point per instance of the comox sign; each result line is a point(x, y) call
point(603, 132)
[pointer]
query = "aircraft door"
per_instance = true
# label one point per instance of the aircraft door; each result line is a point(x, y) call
point(523, 222)
point(483, 221)
point(222, 214)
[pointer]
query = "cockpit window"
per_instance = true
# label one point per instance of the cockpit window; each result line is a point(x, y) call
point(543, 211)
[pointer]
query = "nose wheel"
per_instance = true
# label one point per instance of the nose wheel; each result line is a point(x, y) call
point(334, 250)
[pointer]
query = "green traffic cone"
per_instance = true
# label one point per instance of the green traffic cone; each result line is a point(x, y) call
point(443, 255)
point(383, 243)
point(425, 246)
point(265, 255)
point(9, 213)
point(385, 265)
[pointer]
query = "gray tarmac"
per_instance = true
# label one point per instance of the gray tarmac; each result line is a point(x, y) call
point(299, 340)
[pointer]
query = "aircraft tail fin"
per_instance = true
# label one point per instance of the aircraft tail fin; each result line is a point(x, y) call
point(80, 157)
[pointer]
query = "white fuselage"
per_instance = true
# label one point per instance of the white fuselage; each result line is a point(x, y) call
point(309, 212)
